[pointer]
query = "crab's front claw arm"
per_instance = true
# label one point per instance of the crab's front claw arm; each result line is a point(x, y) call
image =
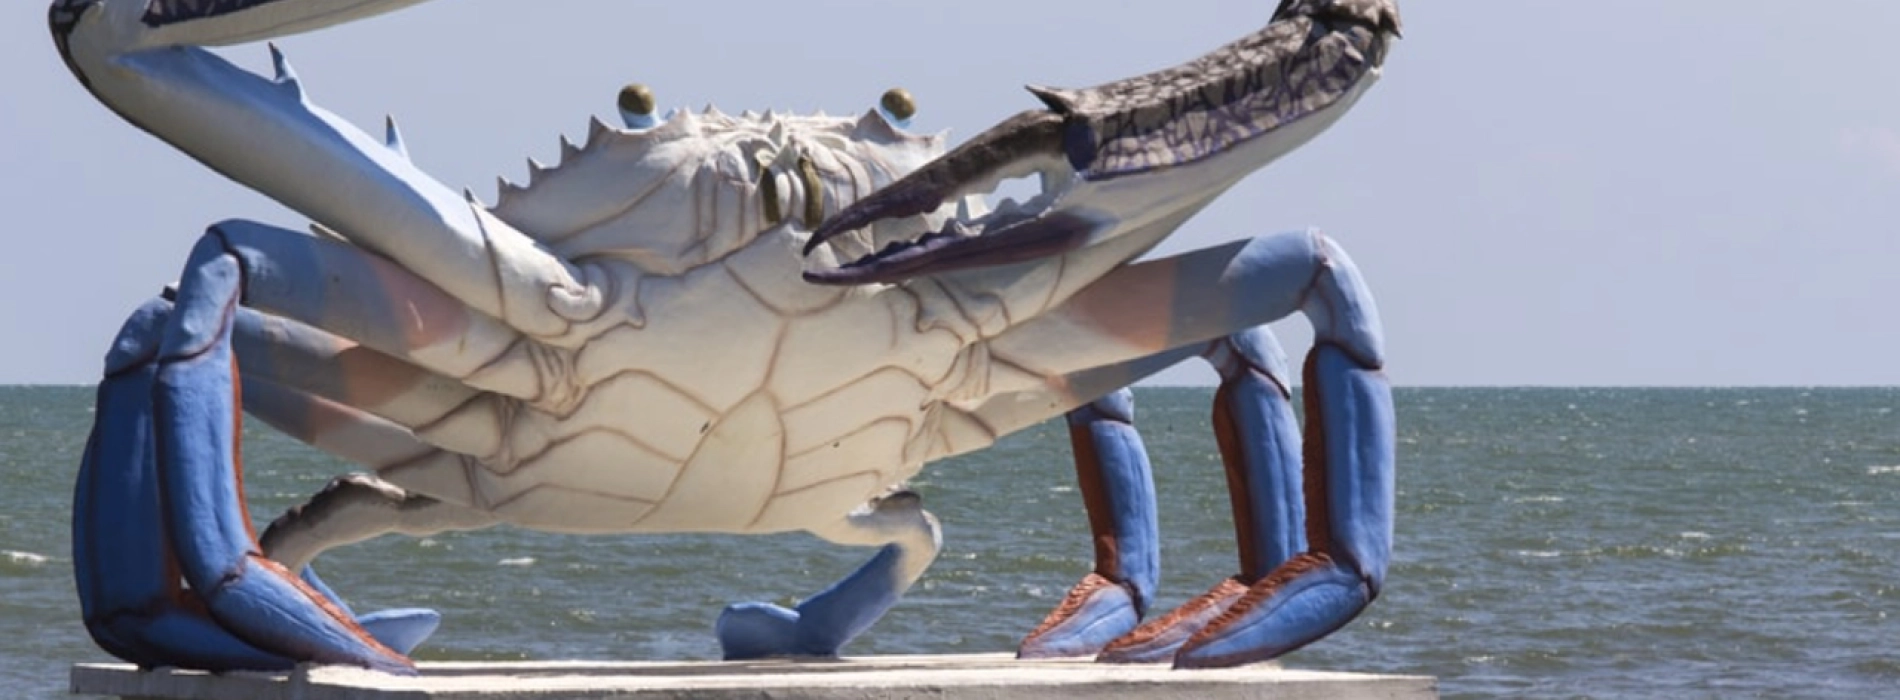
point(168, 423)
point(142, 58)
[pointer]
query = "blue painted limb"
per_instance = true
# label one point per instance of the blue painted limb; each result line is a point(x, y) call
point(401, 629)
point(1260, 447)
point(1350, 451)
point(1349, 464)
point(1140, 315)
point(127, 579)
point(196, 423)
point(822, 624)
point(1117, 487)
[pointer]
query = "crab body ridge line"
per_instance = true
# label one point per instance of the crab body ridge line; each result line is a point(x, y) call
point(717, 323)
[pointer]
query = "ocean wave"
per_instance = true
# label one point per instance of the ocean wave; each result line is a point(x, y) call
point(23, 559)
point(1538, 499)
point(1878, 470)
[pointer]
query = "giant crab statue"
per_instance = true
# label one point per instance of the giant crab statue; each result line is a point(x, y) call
point(732, 324)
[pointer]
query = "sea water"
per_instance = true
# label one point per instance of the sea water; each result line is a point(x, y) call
point(1550, 543)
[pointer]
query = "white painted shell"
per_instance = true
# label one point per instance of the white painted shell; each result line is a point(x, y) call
point(719, 392)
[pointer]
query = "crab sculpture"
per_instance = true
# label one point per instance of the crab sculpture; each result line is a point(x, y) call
point(734, 324)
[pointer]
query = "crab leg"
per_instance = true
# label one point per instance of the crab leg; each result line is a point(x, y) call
point(127, 574)
point(1117, 486)
point(141, 59)
point(1348, 454)
point(1349, 527)
point(355, 507)
point(416, 357)
point(822, 624)
point(342, 289)
point(123, 562)
point(1260, 447)
point(195, 409)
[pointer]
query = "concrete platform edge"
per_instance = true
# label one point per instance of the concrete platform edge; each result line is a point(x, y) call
point(990, 677)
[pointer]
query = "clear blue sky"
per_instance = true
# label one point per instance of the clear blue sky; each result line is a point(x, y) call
point(1544, 192)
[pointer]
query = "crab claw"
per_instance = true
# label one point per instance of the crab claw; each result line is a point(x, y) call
point(1029, 144)
point(160, 498)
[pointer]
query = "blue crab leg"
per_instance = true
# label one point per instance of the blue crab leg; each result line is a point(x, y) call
point(1349, 526)
point(127, 575)
point(1260, 447)
point(400, 629)
point(123, 564)
point(195, 408)
point(1153, 309)
point(1117, 487)
point(311, 385)
point(417, 357)
point(821, 625)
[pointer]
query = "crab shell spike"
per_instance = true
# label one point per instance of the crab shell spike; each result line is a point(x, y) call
point(879, 124)
point(536, 172)
point(392, 137)
point(568, 150)
point(597, 131)
point(469, 194)
point(285, 75)
point(1058, 100)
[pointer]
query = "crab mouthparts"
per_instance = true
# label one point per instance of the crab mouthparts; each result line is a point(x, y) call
point(959, 246)
point(1028, 145)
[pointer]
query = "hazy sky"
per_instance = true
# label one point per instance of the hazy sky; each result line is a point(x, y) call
point(1544, 192)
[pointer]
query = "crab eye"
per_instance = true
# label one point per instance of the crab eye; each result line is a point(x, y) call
point(637, 107)
point(898, 106)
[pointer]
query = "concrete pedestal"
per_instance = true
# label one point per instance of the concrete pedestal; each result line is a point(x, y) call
point(990, 677)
